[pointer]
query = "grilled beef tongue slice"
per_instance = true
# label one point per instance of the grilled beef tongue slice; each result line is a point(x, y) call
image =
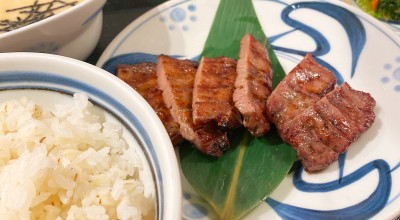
point(176, 80)
point(143, 78)
point(302, 87)
point(316, 118)
point(212, 93)
point(332, 124)
point(253, 85)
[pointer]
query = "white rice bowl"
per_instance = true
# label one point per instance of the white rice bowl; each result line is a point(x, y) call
point(68, 161)
point(81, 157)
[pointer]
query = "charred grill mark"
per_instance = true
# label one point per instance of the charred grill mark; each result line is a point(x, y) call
point(315, 118)
point(253, 85)
point(303, 86)
point(212, 94)
point(323, 131)
point(143, 78)
point(176, 79)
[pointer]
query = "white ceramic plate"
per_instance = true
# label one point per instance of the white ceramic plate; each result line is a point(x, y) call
point(365, 182)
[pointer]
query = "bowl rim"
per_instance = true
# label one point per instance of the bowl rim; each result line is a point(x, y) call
point(55, 17)
point(171, 182)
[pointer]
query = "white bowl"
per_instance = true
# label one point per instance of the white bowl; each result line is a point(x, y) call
point(47, 79)
point(73, 32)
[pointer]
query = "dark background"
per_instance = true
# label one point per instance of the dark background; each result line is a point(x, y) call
point(117, 14)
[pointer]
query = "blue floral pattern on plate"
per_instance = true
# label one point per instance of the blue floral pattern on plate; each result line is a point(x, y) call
point(360, 50)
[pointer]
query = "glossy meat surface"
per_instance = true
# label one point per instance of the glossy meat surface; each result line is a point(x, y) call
point(326, 129)
point(176, 80)
point(213, 90)
point(301, 88)
point(253, 85)
point(143, 78)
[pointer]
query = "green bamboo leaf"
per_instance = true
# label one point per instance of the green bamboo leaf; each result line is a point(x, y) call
point(232, 21)
point(237, 182)
point(246, 174)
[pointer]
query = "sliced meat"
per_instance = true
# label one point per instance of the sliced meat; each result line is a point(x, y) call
point(176, 80)
point(336, 130)
point(143, 78)
point(211, 140)
point(355, 105)
point(309, 135)
point(302, 87)
point(326, 129)
point(253, 85)
point(212, 93)
point(313, 154)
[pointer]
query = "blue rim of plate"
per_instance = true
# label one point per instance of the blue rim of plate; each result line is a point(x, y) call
point(31, 80)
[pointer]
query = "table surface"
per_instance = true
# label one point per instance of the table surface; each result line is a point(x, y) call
point(117, 14)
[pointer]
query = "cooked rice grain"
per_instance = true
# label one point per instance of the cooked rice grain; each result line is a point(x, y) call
point(67, 163)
